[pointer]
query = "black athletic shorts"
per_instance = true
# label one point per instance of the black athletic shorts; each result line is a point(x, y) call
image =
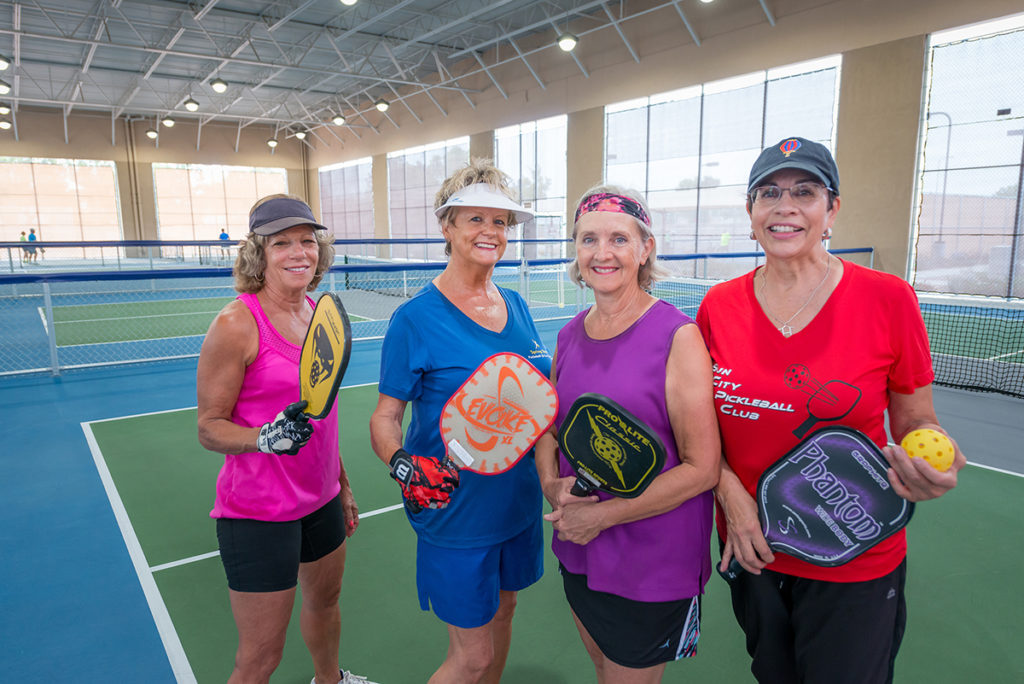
point(261, 556)
point(804, 630)
point(636, 634)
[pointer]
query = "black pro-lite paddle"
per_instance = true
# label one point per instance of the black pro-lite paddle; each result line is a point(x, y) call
point(325, 353)
point(828, 500)
point(609, 448)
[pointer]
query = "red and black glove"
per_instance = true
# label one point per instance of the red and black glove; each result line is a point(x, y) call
point(425, 482)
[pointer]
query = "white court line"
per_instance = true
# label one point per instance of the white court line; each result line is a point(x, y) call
point(214, 554)
point(131, 318)
point(42, 317)
point(172, 644)
point(193, 408)
point(1002, 356)
point(994, 469)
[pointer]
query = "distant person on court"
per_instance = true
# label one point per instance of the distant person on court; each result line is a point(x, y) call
point(841, 322)
point(224, 242)
point(633, 570)
point(479, 537)
point(31, 249)
point(284, 505)
point(24, 248)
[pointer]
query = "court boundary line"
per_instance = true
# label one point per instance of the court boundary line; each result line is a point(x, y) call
point(214, 554)
point(161, 617)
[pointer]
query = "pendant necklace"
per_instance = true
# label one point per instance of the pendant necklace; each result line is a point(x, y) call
point(786, 329)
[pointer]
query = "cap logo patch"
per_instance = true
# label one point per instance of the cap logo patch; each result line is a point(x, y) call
point(789, 146)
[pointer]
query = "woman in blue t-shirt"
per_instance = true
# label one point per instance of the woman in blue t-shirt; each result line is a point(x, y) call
point(479, 544)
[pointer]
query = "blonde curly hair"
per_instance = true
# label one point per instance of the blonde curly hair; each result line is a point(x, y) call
point(252, 261)
point(478, 170)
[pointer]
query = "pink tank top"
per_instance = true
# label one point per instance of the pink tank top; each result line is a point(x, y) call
point(276, 487)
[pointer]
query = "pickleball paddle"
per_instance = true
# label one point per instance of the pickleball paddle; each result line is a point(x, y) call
point(498, 414)
point(609, 448)
point(325, 353)
point(828, 500)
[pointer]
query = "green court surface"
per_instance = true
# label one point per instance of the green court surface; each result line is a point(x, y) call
point(963, 624)
point(143, 320)
point(989, 334)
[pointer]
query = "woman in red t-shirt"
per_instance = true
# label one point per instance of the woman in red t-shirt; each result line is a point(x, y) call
point(843, 324)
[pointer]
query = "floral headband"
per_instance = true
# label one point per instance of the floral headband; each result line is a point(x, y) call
point(607, 201)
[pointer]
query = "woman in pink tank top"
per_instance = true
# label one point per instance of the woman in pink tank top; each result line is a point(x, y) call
point(284, 505)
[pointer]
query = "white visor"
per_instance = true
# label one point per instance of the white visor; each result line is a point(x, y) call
point(483, 195)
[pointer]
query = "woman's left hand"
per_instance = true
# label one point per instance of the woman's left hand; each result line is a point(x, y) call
point(348, 504)
point(915, 479)
point(579, 522)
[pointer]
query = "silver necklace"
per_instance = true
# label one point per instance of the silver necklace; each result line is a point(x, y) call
point(786, 329)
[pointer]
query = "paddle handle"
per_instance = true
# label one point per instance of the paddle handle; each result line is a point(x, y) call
point(581, 488)
point(733, 571)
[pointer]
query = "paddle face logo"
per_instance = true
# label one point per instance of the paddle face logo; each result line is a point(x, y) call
point(323, 356)
point(614, 441)
point(501, 410)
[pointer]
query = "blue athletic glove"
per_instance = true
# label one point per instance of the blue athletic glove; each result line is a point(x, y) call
point(425, 482)
point(288, 432)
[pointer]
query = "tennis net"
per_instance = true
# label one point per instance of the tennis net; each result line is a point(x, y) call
point(977, 342)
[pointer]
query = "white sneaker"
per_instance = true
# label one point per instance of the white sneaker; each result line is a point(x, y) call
point(349, 678)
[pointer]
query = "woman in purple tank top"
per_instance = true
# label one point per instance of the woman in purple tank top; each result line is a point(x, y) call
point(633, 569)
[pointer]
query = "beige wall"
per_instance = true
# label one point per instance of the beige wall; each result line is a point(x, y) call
point(882, 43)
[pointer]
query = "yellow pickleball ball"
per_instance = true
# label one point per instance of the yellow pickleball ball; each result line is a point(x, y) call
point(932, 446)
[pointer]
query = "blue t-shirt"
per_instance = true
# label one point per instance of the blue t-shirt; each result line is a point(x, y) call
point(429, 351)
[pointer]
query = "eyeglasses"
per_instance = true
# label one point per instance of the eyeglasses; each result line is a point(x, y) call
point(801, 193)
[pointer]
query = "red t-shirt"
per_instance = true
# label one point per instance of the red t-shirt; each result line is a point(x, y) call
point(868, 339)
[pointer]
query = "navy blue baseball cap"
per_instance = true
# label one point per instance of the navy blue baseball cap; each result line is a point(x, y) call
point(281, 213)
point(796, 153)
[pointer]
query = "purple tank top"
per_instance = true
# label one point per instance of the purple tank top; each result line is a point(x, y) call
point(666, 557)
point(276, 487)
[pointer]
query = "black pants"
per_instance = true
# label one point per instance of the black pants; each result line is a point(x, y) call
point(802, 631)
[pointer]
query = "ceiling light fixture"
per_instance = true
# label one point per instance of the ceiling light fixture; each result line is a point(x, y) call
point(5, 124)
point(338, 120)
point(5, 87)
point(191, 105)
point(5, 109)
point(349, 3)
point(167, 121)
point(271, 143)
point(218, 85)
point(4, 63)
point(152, 133)
point(567, 42)
point(707, 2)
point(382, 105)
point(301, 135)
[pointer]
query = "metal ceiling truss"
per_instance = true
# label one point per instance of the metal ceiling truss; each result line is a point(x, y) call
point(292, 64)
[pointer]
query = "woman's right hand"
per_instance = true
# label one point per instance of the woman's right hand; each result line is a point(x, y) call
point(557, 492)
point(744, 539)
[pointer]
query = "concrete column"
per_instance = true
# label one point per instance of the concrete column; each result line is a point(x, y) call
point(481, 145)
point(381, 218)
point(880, 111)
point(584, 156)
